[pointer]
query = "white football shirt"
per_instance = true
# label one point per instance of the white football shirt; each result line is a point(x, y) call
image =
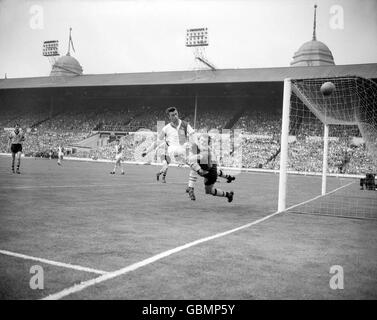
point(176, 136)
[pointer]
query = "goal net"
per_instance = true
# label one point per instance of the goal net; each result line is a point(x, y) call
point(328, 143)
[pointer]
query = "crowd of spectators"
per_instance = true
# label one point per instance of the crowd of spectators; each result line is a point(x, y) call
point(208, 117)
point(258, 152)
point(259, 122)
point(150, 116)
point(260, 145)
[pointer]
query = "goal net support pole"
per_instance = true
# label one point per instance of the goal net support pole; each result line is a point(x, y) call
point(284, 146)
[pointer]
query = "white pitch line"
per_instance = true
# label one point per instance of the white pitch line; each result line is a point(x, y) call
point(110, 275)
point(135, 266)
point(54, 263)
point(317, 197)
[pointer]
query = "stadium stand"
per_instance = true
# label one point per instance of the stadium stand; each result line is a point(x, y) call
point(260, 143)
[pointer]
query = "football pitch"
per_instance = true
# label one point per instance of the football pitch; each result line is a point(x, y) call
point(100, 236)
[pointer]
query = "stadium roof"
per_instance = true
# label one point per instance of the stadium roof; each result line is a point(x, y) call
point(368, 71)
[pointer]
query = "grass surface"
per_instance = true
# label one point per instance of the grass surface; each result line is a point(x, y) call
point(80, 214)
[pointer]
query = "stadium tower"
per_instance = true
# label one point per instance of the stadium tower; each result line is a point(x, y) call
point(67, 65)
point(314, 52)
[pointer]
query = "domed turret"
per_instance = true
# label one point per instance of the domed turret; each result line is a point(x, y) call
point(66, 66)
point(313, 53)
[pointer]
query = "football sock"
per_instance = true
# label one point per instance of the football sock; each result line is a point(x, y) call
point(192, 178)
point(219, 193)
point(223, 175)
point(191, 193)
point(195, 166)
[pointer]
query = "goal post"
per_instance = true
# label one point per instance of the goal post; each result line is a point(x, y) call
point(284, 146)
point(328, 141)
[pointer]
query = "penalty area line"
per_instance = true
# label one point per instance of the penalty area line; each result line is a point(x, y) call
point(53, 263)
point(111, 275)
point(320, 196)
point(85, 284)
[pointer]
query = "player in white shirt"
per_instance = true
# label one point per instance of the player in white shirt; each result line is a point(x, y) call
point(177, 135)
point(60, 154)
point(118, 157)
point(15, 140)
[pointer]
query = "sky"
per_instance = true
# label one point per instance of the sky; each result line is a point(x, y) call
point(149, 35)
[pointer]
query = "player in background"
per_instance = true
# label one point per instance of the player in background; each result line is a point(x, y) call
point(118, 157)
point(60, 155)
point(177, 134)
point(203, 157)
point(15, 140)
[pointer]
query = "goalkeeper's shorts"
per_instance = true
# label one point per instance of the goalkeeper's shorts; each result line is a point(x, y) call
point(211, 177)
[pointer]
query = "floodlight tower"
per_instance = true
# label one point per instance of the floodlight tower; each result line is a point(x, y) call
point(51, 50)
point(197, 39)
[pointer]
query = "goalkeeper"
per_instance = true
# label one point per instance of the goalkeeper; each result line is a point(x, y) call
point(203, 161)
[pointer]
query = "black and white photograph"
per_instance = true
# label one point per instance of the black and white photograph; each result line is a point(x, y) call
point(202, 153)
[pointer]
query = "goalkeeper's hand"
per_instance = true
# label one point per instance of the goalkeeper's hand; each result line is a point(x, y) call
point(202, 172)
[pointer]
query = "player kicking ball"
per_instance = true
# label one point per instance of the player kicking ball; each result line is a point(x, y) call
point(16, 137)
point(203, 159)
point(176, 135)
point(118, 157)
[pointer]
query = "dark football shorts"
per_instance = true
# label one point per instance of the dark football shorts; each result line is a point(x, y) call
point(165, 157)
point(16, 147)
point(211, 177)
